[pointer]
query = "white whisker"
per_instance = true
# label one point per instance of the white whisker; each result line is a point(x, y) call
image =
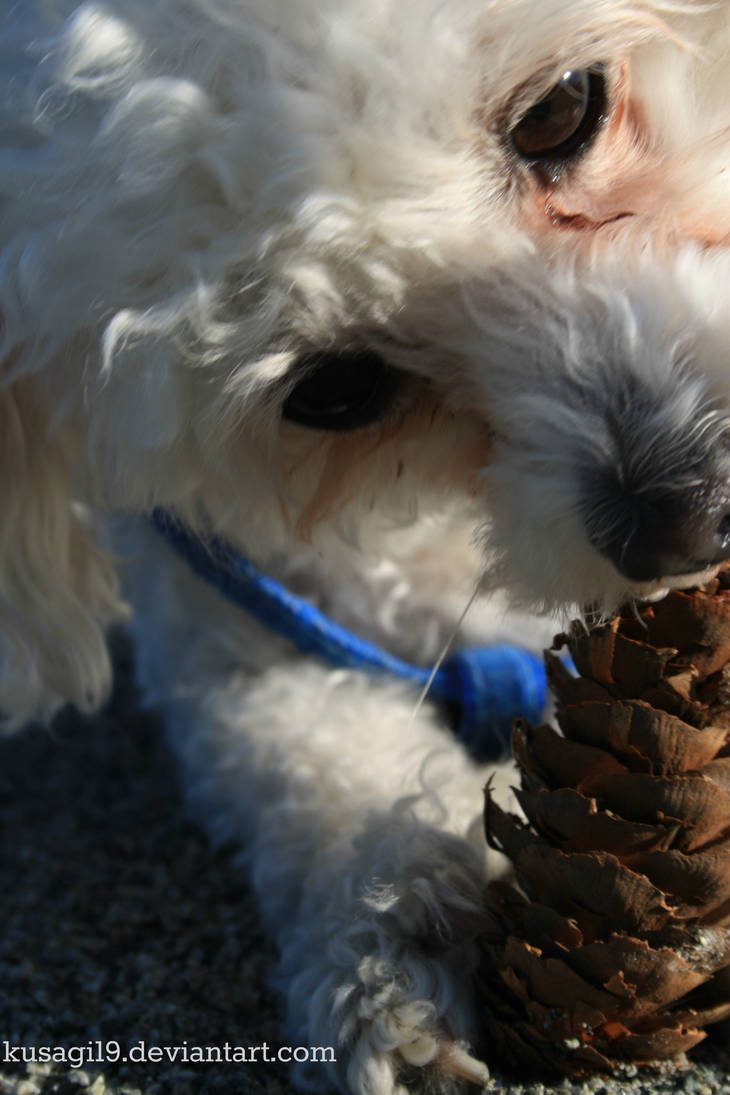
point(444, 651)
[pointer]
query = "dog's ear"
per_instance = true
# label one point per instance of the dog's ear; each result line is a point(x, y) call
point(58, 589)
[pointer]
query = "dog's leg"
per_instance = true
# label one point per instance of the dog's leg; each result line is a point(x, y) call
point(356, 823)
point(352, 818)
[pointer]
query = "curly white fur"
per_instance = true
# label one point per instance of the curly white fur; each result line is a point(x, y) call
point(197, 195)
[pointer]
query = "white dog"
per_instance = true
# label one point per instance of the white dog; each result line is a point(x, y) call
point(396, 297)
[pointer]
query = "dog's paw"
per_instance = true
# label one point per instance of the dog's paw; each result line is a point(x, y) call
point(394, 1040)
point(386, 963)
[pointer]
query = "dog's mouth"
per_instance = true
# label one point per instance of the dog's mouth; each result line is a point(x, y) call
point(660, 587)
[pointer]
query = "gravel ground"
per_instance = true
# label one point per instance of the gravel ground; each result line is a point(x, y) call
point(119, 925)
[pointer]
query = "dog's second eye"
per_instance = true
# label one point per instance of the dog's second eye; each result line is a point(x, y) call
point(341, 391)
point(561, 125)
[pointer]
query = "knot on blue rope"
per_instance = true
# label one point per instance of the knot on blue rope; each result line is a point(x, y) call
point(493, 686)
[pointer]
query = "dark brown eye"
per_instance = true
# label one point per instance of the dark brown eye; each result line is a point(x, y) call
point(341, 390)
point(563, 123)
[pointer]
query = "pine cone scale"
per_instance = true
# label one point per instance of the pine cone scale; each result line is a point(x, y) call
point(596, 889)
point(579, 825)
point(701, 879)
point(555, 761)
point(636, 729)
point(553, 983)
point(697, 807)
point(651, 978)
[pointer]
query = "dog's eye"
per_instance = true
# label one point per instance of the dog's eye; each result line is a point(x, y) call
point(341, 391)
point(562, 124)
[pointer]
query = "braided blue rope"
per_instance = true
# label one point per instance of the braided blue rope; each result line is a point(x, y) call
point(488, 686)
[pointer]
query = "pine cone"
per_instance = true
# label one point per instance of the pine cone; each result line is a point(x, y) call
point(608, 950)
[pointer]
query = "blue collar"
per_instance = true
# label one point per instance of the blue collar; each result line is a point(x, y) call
point(487, 687)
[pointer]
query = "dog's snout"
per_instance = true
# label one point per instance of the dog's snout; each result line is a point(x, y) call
point(649, 535)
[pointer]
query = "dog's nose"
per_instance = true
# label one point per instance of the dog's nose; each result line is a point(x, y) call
point(663, 534)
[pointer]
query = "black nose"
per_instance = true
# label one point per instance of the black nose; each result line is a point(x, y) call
point(660, 534)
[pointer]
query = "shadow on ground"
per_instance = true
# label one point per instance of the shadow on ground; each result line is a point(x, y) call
point(119, 925)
